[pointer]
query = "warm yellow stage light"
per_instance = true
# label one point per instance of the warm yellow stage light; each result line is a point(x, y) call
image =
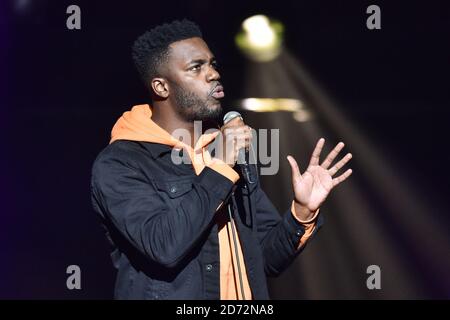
point(301, 114)
point(260, 38)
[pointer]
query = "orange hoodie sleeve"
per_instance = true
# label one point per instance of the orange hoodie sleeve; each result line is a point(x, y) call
point(224, 169)
point(218, 165)
point(309, 225)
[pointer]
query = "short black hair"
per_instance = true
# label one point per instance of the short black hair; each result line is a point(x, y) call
point(151, 49)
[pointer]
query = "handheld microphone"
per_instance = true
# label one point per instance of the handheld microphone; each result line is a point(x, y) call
point(242, 152)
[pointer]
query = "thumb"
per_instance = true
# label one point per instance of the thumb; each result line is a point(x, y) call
point(295, 171)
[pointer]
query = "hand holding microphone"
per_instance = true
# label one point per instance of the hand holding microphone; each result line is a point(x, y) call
point(236, 138)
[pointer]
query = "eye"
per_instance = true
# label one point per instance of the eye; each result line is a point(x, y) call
point(195, 67)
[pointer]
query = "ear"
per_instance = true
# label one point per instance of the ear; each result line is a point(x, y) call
point(160, 87)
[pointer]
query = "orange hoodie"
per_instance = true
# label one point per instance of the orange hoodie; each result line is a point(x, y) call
point(137, 125)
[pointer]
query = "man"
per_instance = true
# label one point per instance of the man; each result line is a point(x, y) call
point(196, 229)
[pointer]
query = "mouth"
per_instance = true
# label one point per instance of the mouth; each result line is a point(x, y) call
point(218, 92)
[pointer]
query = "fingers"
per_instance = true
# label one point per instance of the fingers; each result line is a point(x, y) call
point(295, 171)
point(332, 155)
point(340, 164)
point(241, 135)
point(236, 122)
point(316, 153)
point(235, 138)
point(206, 138)
point(342, 177)
point(237, 130)
point(241, 141)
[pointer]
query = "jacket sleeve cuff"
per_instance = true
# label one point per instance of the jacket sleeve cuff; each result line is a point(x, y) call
point(308, 225)
point(309, 230)
point(215, 182)
point(225, 170)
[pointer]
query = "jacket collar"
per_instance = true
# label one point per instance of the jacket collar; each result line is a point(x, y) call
point(157, 149)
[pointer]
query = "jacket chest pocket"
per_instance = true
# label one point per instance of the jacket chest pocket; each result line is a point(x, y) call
point(174, 191)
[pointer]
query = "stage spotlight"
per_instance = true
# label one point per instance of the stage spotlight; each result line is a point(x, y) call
point(260, 38)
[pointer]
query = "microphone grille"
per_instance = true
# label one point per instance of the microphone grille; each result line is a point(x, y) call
point(230, 116)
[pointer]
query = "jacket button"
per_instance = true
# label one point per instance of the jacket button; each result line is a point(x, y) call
point(299, 233)
point(209, 267)
point(173, 189)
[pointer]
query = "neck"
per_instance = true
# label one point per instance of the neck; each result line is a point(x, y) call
point(165, 116)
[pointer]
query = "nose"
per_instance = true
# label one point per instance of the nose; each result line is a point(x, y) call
point(212, 74)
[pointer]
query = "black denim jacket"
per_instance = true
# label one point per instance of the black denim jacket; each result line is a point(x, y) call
point(159, 219)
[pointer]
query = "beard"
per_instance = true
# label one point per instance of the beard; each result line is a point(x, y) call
point(192, 107)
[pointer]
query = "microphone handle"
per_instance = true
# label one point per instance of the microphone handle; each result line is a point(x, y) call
point(241, 159)
point(245, 168)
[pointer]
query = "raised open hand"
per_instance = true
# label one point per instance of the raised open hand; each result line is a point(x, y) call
point(313, 186)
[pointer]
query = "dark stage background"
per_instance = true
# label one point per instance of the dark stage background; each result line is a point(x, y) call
point(62, 91)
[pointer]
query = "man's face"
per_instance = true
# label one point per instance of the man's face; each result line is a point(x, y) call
point(194, 84)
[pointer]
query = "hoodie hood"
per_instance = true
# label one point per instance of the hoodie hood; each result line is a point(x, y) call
point(137, 125)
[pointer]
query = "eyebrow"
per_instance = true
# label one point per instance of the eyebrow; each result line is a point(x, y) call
point(201, 61)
